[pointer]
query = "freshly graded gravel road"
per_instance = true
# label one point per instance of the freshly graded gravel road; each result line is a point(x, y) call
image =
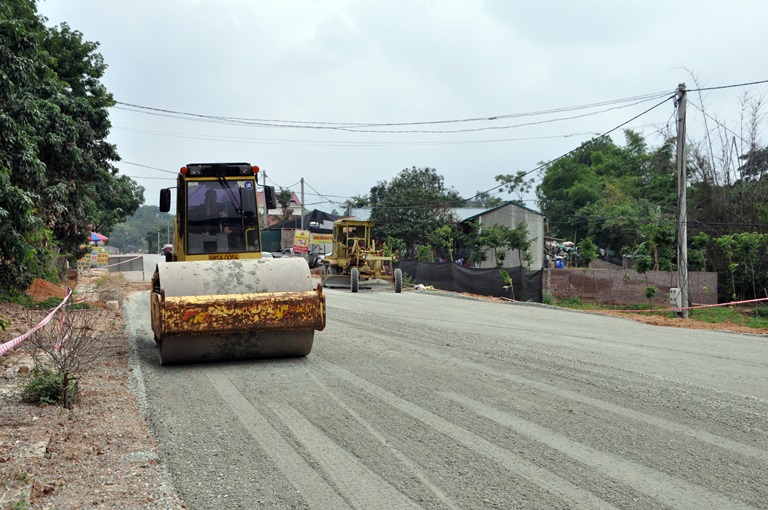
point(419, 400)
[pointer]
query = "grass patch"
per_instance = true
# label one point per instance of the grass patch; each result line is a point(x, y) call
point(755, 319)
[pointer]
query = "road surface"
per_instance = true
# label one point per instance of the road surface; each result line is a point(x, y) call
point(418, 400)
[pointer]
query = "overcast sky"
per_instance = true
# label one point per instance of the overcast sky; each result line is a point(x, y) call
point(300, 67)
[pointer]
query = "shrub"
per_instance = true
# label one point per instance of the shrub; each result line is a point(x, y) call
point(48, 386)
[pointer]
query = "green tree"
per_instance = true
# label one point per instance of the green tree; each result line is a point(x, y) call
point(412, 205)
point(284, 199)
point(443, 237)
point(516, 184)
point(587, 251)
point(54, 158)
point(608, 192)
point(483, 199)
point(356, 202)
point(146, 222)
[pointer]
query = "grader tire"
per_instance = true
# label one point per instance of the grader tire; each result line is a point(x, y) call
point(355, 279)
point(398, 280)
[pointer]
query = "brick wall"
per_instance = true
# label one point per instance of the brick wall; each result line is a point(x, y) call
point(626, 287)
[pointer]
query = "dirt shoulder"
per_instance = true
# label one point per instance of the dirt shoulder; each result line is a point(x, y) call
point(102, 454)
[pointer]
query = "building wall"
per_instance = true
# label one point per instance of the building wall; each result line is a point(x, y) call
point(626, 287)
point(511, 216)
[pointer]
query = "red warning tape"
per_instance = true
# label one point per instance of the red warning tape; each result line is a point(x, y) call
point(7, 346)
point(662, 310)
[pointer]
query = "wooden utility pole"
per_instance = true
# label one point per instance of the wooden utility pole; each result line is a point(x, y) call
point(682, 207)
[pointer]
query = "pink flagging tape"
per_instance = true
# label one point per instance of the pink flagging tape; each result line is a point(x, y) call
point(662, 310)
point(7, 346)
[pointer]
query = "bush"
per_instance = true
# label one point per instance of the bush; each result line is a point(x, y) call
point(47, 387)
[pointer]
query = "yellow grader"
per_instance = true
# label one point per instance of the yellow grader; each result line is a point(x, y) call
point(355, 260)
point(215, 297)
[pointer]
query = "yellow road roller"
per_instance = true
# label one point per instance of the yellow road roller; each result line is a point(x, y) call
point(215, 298)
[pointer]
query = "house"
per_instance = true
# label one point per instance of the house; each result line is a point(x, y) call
point(511, 215)
point(277, 215)
point(319, 224)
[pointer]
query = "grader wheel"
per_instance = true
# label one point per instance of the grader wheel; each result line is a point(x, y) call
point(355, 279)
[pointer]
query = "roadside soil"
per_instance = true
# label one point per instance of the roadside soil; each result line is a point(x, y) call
point(101, 454)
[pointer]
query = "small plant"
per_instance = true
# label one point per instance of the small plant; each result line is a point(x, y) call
point(508, 281)
point(761, 312)
point(4, 323)
point(46, 387)
point(21, 504)
point(47, 304)
point(59, 363)
point(548, 299)
point(650, 291)
point(571, 302)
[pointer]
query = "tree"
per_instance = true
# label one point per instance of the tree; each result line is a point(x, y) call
point(23, 63)
point(356, 202)
point(608, 192)
point(412, 205)
point(587, 251)
point(516, 184)
point(443, 237)
point(132, 234)
point(483, 199)
point(284, 199)
point(54, 158)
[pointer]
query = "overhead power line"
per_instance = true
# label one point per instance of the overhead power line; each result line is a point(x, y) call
point(359, 126)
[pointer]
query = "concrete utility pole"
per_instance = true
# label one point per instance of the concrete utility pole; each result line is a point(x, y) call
point(682, 208)
point(302, 204)
point(264, 220)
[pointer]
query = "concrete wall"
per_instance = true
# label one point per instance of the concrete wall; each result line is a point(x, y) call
point(626, 287)
point(511, 216)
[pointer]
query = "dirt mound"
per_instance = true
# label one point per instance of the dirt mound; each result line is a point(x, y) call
point(40, 290)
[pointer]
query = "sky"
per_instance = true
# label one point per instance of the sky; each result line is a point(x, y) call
point(348, 93)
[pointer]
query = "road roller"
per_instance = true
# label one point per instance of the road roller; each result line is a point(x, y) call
point(215, 297)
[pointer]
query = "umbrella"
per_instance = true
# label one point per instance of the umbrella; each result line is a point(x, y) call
point(96, 237)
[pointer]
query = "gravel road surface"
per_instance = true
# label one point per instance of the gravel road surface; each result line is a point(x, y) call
point(420, 400)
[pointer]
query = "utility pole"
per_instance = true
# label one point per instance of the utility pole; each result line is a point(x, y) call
point(264, 221)
point(682, 208)
point(302, 204)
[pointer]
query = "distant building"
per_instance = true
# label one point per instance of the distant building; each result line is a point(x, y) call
point(511, 215)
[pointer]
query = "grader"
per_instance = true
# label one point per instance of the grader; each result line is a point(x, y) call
point(355, 260)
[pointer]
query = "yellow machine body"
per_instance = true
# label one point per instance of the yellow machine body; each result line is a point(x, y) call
point(356, 260)
point(216, 298)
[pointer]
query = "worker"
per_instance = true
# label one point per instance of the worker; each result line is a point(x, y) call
point(208, 216)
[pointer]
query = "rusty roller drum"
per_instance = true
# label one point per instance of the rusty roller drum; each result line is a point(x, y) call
point(235, 309)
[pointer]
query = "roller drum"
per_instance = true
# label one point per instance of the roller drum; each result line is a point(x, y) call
point(235, 309)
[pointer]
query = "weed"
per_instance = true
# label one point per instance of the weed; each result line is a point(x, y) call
point(571, 302)
point(17, 297)
point(548, 299)
point(48, 304)
point(21, 504)
point(761, 311)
